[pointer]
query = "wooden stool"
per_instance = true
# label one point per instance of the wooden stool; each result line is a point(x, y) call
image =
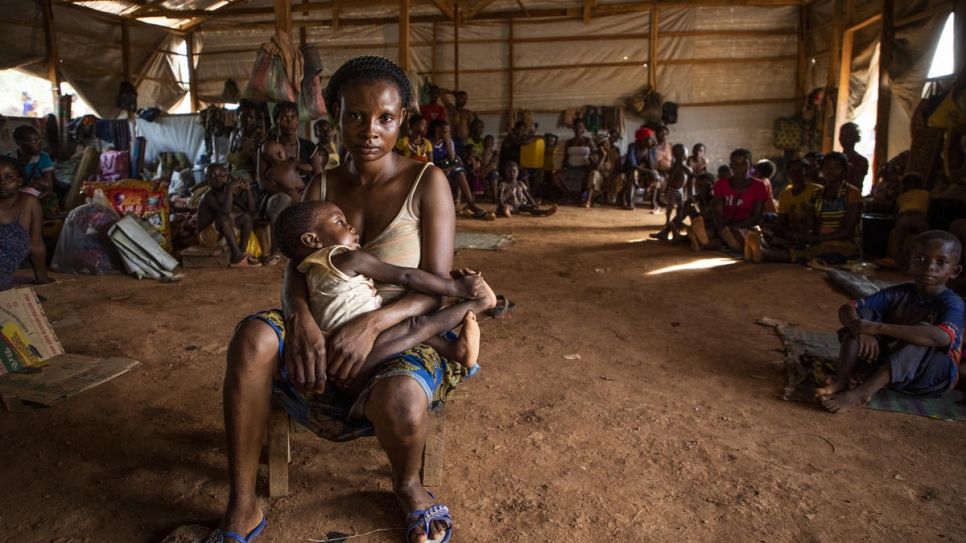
point(280, 453)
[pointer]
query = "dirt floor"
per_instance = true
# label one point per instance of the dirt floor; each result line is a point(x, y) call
point(667, 428)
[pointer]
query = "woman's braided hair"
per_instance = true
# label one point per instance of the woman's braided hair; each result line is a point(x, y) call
point(367, 69)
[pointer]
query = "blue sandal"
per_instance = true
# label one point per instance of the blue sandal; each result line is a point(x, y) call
point(219, 537)
point(424, 519)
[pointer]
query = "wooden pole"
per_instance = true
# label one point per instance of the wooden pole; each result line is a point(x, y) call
point(885, 87)
point(433, 67)
point(801, 77)
point(53, 61)
point(126, 56)
point(834, 57)
point(192, 86)
point(283, 16)
point(404, 35)
point(652, 50)
point(510, 68)
point(456, 47)
point(842, 101)
point(959, 34)
point(303, 39)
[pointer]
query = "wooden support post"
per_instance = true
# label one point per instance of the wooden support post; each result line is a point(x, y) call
point(456, 47)
point(959, 34)
point(885, 86)
point(834, 57)
point(404, 35)
point(303, 39)
point(283, 16)
point(126, 56)
point(53, 61)
point(192, 86)
point(433, 454)
point(510, 69)
point(842, 100)
point(652, 50)
point(801, 77)
point(433, 67)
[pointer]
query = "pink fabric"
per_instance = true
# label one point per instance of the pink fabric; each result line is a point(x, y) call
point(738, 207)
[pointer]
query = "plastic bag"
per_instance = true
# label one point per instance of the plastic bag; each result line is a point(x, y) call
point(84, 245)
point(146, 199)
point(269, 82)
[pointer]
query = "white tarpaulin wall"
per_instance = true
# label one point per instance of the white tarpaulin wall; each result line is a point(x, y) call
point(730, 86)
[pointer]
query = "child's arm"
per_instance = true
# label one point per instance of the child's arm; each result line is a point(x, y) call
point(926, 335)
point(469, 287)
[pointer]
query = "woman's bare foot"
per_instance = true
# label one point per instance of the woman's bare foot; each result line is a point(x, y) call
point(843, 401)
point(467, 346)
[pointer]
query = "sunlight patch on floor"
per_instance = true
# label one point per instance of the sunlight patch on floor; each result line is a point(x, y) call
point(702, 264)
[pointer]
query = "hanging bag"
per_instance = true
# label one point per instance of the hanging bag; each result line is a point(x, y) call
point(115, 165)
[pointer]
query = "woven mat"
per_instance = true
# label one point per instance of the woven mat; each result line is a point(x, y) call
point(483, 242)
point(810, 359)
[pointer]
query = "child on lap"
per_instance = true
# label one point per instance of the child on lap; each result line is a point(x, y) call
point(910, 333)
point(340, 278)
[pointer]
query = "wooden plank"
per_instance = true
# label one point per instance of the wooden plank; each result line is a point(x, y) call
point(433, 453)
point(631, 63)
point(925, 14)
point(278, 454)
point(652, 50)
point(587, 13)
point(126, 57)
point(404, 35)
point(884, 107)
point(740, 102)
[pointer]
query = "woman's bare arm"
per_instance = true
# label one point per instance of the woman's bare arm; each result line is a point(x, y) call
point(350, 345)
point(38, 251)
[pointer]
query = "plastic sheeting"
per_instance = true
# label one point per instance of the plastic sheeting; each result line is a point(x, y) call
point(89, 49)
point(179, 134)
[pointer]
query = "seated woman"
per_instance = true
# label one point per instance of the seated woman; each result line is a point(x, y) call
point(639, 172)
point(738, 205)
point(444, 156)
point(837, 212)
point(579, 157)
point(403, 212)
point(21, 226)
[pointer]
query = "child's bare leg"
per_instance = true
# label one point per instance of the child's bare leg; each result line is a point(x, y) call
point(245, 224)
point(227, 228)
point(848, 358)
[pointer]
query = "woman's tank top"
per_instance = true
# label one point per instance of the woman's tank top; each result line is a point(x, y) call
point(578, 155)
point(400, 244)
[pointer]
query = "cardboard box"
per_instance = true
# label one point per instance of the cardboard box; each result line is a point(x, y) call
point(33, 365)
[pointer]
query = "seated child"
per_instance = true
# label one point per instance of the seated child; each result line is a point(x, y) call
point(490, 161)
point(284, 171)
point(340, 279)
point(40, 178)
point(226, 210)
point(910, 334)
point(796, 204)
point(677, 177)
point(911, 209)
point(698, 205)
point(697, 161)
point(474, 168)
point(513, 196)
point(415, 145)
point(724, 172)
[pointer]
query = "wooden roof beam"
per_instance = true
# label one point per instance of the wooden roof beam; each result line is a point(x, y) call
point(477, 9)
point(588, 4)
point(445, 9)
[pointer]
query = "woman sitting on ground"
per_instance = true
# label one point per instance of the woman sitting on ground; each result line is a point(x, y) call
point(21, 226)
point(837, 213)
point(738, 205)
